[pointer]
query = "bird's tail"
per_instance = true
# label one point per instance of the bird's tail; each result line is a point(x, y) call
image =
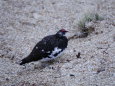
point(25, 60)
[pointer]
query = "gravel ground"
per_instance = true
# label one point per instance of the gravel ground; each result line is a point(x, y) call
point(25, 22)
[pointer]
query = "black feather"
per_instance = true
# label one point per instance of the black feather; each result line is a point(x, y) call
point(42, 48)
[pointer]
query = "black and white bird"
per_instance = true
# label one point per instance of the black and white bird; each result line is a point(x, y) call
point(49, 48)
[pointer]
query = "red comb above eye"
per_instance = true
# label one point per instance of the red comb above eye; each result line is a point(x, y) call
point(63, 30)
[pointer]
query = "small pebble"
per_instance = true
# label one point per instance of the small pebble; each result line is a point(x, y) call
point(100, 70)
point(7, 79)
point(78, 55)
point(72, 75)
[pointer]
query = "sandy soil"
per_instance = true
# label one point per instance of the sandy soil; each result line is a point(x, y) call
point(25, 22)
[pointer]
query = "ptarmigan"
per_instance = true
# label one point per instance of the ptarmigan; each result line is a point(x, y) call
point(49, 48)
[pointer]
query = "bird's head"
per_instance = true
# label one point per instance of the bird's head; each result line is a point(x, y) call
point(61, 32)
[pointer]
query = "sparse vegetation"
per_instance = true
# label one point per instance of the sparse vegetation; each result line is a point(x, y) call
point(86, 25)
point(91, 17)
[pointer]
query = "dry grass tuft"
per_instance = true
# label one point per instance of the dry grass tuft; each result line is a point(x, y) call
point(91, 17)
point(86, 25)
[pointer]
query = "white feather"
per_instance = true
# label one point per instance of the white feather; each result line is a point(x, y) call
point(56, 50)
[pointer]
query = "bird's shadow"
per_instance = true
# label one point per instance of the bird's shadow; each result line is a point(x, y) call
point(37, 66)
point(45, 64)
